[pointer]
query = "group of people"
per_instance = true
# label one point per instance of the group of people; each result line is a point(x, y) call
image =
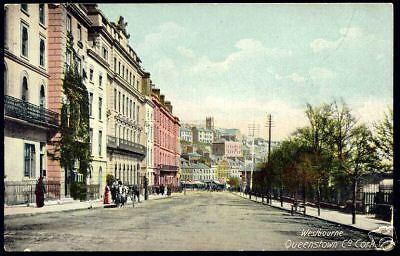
point(120, 193)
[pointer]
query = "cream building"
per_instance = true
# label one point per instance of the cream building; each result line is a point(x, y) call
point(149, 130)
point(28, 123)
point(125, 99)
point(96, 83)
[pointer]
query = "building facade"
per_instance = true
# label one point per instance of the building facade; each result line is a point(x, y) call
point(185, 134)
point(202, 135)
point(166, 142)
point(227, 149)
point(125, 98)
point(28, 121)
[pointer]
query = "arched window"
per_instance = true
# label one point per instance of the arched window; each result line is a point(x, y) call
point(100, 179)
point(5, 80)
point(24, 96)
point(42, 100)
point(123, 175)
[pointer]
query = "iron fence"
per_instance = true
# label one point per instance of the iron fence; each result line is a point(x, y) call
point(92, 191)
point(23, 192)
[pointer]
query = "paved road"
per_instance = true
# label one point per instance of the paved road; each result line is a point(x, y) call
point(197, 221)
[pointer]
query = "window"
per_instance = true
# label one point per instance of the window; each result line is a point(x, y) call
point(115, 64)
point(91, 74)
point(100, 80)
point(24, 7)
point(105, 54)
point(79, 32)
point(130, 78)
point(42, 98)
point(100, 139)
point(119, 101)
point(29, 157)
point(123, 71)
point(137, 114)
point(78, 64)
point(119, 67)
point(123, 104)
point(100, 107)
point(115, 99)
point(134, 110)
point(91, 140)
point(42, 52)
point(130, 107)
point(68, 24)
point(127, 106)
point(24, 40)
point(41, 14)
point(42, 159)
point(90, 103)
point(24, 96)
point(137, 85)
point(68, 59)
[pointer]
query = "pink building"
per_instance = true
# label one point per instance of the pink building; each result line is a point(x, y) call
point(227, 148)
point(166, 142)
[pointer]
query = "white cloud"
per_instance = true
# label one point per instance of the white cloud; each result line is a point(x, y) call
point(249, 51)
point(296, 78)
point(318, 74)
point(370, 110)
point(166, 32)
point(350, 36)
point(321, 44)
point(186, 52)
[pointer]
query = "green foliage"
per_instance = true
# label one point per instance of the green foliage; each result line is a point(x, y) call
point(78, 190)
point(74, 142)
point(110, 179)
point(234, 182)
point(384, 140)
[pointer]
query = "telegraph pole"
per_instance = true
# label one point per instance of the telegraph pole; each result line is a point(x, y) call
point(269, 125)
point(252, 130)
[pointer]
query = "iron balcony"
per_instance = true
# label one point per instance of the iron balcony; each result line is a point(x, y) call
point(31, 113)
point(126, 145)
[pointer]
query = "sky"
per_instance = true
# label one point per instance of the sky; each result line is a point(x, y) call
point(238, 62)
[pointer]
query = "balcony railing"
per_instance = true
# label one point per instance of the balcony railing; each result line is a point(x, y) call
point(164, 167)
point(126, 145)
point(29, 112)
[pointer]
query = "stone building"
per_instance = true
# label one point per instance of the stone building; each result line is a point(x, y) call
point(202, 135)
point(227, 148)
point(28, 121)
point(185, 134)
point(125, 82)
point(166, 142)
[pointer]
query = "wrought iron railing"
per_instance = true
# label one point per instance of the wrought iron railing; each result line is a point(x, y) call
point(23, 192)
point(29, 112)
point(113, 142)
point(164, 167)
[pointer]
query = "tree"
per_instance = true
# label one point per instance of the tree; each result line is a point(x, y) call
point(233, 182)
point(384, 139)
point(359, 158)
point(73, 146)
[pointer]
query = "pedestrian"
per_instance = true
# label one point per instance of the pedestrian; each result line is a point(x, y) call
point(107, 195)
point(40, 190)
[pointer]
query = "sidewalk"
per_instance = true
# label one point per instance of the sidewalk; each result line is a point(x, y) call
point(68, 204)
point(363, 222)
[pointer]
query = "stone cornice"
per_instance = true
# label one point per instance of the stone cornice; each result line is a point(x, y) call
point(79, 14)
point(128, 87)
point(97, 58)
point(13, 57)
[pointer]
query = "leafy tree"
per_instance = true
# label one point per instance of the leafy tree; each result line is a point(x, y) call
point(73, 144)
point(384, 139)
point(359, 158)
